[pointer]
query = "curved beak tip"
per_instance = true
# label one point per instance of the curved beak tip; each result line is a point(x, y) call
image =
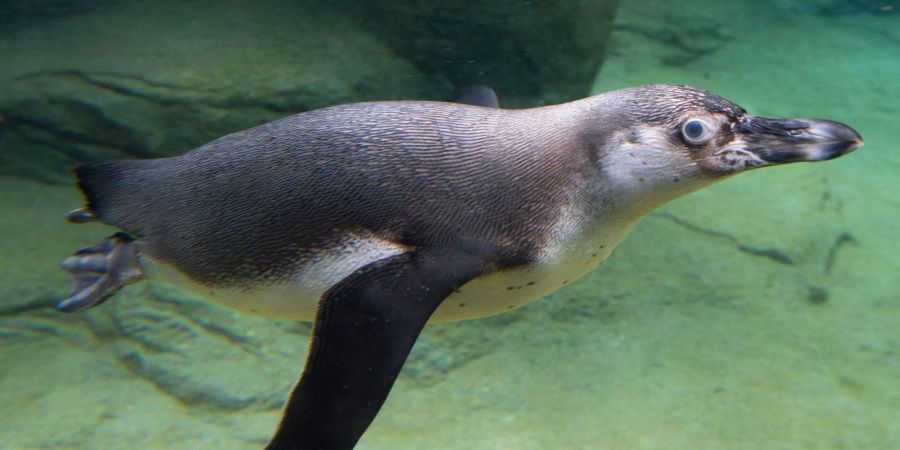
point(841, 138)
point(794, 140)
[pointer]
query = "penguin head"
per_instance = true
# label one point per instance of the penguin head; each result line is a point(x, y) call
point(662, 141)
point(720, 138)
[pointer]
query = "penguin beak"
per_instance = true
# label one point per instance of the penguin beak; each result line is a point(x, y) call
point(779, 141)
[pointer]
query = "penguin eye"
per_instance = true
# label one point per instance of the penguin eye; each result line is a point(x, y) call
point(696, 132)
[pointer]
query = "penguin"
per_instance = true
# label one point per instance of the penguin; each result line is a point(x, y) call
point(372, 219)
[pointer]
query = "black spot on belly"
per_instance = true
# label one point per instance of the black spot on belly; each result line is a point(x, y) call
point(633, 138)
point(565, 281)
point(531, 283)
point(461, 305)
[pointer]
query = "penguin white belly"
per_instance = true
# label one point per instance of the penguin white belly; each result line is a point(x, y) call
point(296, 298)
point(509, 289)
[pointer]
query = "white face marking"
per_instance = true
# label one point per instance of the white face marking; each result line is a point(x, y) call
point(647, 170)
point(644, 163)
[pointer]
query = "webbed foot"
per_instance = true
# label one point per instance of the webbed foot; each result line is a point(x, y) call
point(100, 271)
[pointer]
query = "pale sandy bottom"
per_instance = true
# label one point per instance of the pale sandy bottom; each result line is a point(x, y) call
point(680, 341)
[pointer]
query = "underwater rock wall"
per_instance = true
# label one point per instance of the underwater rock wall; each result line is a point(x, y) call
point(838, 7)
point(148, 79)
point(12, 11)
point(542, 53)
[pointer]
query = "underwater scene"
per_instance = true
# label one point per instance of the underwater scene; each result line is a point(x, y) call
point(757, 312)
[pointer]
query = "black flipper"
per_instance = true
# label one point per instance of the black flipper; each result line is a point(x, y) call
point(476, 95)
point(364, 330)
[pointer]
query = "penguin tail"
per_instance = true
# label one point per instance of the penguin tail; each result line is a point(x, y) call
point(101, 270)
point(106, 186)
point(95, 182)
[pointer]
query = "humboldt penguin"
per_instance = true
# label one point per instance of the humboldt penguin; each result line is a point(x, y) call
point(374, 218)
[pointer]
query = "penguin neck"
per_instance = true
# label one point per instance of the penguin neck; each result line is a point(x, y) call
point(632, 200)
point(638, 167)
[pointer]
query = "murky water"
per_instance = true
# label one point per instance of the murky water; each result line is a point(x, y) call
point(761, 312)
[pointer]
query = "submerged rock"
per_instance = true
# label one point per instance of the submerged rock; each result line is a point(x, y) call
point(211, 356)
point(21, 10)
point(201, 353)
point(839, 7)
point(529, 52)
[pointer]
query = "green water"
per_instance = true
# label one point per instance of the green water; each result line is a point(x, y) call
point(691, 336)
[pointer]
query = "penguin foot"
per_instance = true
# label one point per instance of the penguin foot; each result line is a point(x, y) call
point(100, 271)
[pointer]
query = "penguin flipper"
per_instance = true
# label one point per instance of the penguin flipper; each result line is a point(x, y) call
point(476, 95)
point(364, 329)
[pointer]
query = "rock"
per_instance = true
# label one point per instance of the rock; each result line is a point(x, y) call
point(24, 10)
point(838, 7)
point(35, 239)
point(199, 352)
point(142, 81)
point(529, 52)
point(207, 355)
point(444, 347)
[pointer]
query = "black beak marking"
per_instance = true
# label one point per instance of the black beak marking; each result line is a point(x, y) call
point(780, 141)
